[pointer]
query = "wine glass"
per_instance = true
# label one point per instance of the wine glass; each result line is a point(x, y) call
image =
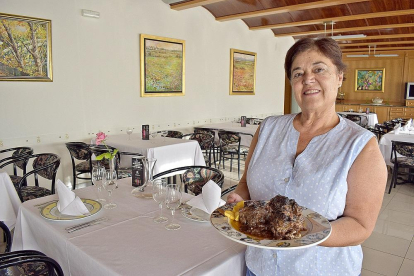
point(173, 201)
point(110, 186)
point(98, 174)
point(129, 132)
point(153, 135)
point(164, 134)
point(159, 192)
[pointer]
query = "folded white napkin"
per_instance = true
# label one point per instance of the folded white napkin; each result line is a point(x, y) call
point(210, 198)
point(69, 203)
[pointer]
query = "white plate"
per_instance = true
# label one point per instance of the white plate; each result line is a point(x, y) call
point(194, 214)
point(51, 211)
point(318, 230)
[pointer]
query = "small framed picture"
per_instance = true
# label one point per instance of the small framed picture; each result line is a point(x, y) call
point(162, 66)
point(242, 72)
point(369, 80)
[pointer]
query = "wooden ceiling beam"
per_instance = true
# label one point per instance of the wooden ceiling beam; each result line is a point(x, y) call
point(279, 10)
point(355, 29)
point(378, 49)
point(381, 37)
point(179, 6)
point(376, 43)
point(335, 19)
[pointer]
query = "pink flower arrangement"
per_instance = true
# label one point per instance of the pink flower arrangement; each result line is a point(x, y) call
point(100, 139)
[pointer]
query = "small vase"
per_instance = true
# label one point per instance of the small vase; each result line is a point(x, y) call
point(112, 177)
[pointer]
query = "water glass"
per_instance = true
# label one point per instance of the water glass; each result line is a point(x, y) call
point(173, 201)
point(129, 132)
point(98, 173)
point(159, 192)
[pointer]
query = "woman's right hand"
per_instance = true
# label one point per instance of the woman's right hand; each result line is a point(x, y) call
point(234, 197)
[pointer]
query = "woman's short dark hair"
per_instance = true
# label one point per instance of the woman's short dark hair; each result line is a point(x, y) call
point(326, 46)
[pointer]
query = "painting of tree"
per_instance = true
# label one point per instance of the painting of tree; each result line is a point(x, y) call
point(25, 48)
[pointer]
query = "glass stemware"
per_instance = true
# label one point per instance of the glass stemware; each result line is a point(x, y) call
point(110, 185)
point(129, 132)
point(153, 135)
point(164, 134)
point(159, 192)
point(173, 201)
point(98, 173)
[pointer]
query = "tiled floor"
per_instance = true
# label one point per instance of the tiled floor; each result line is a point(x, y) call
point(390, 249)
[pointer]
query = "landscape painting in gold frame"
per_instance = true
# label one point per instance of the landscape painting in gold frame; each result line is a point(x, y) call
point(25, 48)
point(242, 72)
point(162, 66)
point(369, 80)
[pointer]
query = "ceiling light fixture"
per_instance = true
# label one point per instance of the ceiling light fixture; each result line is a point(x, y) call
point(357, 55)
point(386, 55)
point(338, 37)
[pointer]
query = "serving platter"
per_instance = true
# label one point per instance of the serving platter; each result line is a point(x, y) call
point(51, 211)
point(318, 229)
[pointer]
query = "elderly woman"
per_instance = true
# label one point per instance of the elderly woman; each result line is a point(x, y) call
point(326, 163)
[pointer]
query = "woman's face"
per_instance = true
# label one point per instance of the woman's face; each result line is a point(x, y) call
point(315, 81)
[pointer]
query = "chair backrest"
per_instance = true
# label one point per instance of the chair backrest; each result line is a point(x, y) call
point(403, 148)
point(79, 150)
point(229, 137)
point(354, 118)
point(7, 236)
point(194, 177)
point(49, 162)
point(28, 262)
point(205, 139)
point(19, 151)
point(204, 130)
point(174, 134)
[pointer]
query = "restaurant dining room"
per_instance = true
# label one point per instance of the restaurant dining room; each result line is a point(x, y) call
point(207, 137)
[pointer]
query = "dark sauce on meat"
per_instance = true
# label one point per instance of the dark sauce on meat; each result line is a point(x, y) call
point(279, 219)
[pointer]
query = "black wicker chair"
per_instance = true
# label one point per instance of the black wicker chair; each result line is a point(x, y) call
point(206, 141)
point(44, 165)
point(80, 151)
point(194, 177)
point(16, 152)
point(174, 134)
point(25, 262)
point(402, 156)
point(231, 148)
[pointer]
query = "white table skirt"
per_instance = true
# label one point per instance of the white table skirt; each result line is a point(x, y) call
point(246, 140)
point(129, 243)
point(10, 201)
point(371, 118)
point(169, 152)
point(385, 144)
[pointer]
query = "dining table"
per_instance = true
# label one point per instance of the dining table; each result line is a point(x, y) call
point(246, 133)
point(127, 241)
point(170, 152)
point(10, 201)
point(385, 144)
point(370, 119)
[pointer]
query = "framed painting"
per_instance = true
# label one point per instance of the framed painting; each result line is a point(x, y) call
point(162, 66)
point(369, 80)
point(25, 48)
point(242, 72)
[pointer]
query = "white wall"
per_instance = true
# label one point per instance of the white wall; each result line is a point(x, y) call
point(96, 74)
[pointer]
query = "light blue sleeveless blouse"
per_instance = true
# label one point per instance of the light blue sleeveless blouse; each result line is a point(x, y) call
point(317, 179)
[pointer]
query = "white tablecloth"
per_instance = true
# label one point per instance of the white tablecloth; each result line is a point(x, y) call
point(385, 144)
point(10, 201)
point(246, 140)
point(129, 243)
point(370, 118)
point(169, 152)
